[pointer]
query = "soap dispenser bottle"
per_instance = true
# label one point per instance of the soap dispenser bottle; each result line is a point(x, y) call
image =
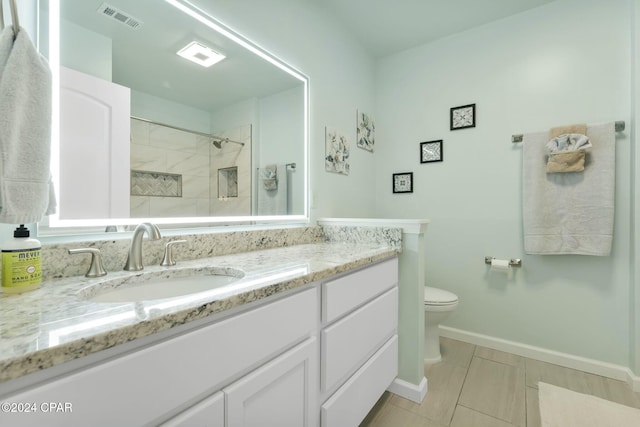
point(21, 263)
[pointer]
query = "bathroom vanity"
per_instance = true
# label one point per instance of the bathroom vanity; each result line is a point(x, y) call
point(308, 337)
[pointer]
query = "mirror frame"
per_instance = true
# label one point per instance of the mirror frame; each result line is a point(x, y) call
point(84, 226)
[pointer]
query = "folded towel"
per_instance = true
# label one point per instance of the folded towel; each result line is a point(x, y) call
point(270, 184)
point(269, 171)
point(26, 188)
point(568, 142)
point(566, 161)
point(580, 128)
point(567, 152)
point(569, 213)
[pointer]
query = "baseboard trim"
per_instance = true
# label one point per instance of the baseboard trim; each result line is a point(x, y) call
point(592, 366)
point(633, 380)
point(415, 393)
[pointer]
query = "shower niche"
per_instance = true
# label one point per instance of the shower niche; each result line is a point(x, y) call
point(228, 182)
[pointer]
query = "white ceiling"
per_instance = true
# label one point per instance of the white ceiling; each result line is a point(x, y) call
point(384, 27)
point(145, 59)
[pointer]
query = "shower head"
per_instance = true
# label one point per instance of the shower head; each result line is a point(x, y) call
point(218, 143)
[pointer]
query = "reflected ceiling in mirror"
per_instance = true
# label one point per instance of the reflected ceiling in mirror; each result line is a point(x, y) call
point(202, 145)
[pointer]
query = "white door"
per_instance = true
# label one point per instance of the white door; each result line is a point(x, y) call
point(281, 393)
point(94, 147)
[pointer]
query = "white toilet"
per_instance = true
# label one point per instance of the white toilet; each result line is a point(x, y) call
point(438, 304)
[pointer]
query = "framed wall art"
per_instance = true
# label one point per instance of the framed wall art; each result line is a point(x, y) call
point(403, 182)
point(431, 151)
point(463, 117)
point(336, 152)
point(365, 131)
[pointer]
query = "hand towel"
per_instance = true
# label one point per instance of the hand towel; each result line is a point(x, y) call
point(580, 128)
point(569, 213)
point(567, 152)
point(26, 188)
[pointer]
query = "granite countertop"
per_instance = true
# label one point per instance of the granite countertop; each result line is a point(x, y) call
point(56, 323)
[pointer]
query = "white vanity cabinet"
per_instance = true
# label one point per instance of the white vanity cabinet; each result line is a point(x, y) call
point(321, 355)
point(149, 385)
point(359, 342)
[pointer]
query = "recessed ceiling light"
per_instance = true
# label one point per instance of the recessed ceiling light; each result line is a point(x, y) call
point(200, 54)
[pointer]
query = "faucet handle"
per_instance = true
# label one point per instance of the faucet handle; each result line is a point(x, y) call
point(168, 260)
point(95, 269)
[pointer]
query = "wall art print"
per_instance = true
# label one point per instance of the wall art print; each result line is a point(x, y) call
point(462, 117)
point(336, 152)
point(365, 132)
point(403, 182)
point(431, 151)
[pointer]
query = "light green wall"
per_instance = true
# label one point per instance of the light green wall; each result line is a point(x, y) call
point(634, 300)
point(85, 51)
point(341, 77)
point(164, 111)
point(525, 73)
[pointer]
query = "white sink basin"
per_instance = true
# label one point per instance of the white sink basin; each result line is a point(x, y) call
point(154, 286)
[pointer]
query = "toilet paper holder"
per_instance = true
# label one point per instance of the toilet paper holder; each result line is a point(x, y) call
point(513, 262)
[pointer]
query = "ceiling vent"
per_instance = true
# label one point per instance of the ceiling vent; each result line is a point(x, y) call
point(118, 15)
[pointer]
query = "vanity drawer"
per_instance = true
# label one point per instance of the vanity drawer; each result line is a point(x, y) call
point(350, 341)
point(174, 372)
point(344, 294)
point(350, 404)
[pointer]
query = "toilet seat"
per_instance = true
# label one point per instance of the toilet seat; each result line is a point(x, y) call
point(439, 297)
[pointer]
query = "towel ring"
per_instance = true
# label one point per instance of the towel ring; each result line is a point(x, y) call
point(14, 18)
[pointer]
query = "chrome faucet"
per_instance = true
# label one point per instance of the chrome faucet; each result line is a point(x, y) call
point(134, 260)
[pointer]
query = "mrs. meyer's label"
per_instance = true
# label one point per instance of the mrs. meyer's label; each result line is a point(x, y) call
point(21, 267)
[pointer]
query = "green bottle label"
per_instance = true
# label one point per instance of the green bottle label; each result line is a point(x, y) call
point(21, 267)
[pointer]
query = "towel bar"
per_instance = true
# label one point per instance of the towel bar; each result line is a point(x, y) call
point(620, 125)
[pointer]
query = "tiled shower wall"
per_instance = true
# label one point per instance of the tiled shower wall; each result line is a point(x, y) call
point(162, 150)
point(229, 156)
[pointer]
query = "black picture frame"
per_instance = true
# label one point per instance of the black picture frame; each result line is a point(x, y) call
point(462, 117)
point(431, 151)
point(403, 182)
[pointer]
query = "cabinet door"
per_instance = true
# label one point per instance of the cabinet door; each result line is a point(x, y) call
point(281, 393)
point(208, 413)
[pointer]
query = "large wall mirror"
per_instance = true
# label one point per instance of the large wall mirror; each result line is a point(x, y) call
point(166, 115)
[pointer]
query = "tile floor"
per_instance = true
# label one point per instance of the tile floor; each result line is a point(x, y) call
point(475, 386)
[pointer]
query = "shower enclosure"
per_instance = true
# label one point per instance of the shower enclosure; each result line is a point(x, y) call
point(180, 173)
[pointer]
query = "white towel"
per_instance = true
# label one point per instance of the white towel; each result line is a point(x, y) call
point(568, 142)
point(274, 202)
point(570, 213)
point(26, 188)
